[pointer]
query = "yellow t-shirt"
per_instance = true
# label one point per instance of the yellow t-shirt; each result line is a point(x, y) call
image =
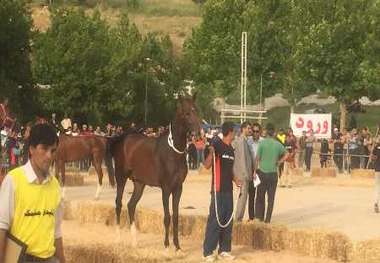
point(281, 138)
point(34, 215)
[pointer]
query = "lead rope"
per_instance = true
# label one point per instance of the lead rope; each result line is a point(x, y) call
point(216, 203)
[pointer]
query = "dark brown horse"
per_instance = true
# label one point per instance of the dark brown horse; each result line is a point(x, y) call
point(159, 162)
point(75, 148)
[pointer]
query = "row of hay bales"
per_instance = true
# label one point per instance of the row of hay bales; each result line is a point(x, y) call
point(331, 172)
point(316, 243)
point(76, 251)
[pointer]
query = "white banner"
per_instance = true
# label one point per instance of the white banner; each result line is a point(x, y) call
point(319, 123)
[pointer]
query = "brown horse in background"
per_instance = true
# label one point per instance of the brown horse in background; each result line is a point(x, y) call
point(75, 148)
point(2, 174)
point(6, 117)
point(159, 162)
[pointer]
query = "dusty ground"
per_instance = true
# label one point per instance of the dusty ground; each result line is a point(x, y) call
point(341, 204)
point(150, 247)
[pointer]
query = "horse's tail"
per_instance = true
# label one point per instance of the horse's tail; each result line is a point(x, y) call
point(109, 163)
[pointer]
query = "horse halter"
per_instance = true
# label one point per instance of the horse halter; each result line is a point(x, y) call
point(171, 141)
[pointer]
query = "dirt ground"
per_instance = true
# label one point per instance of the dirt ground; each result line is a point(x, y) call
point(101, 239)
point(341, 204)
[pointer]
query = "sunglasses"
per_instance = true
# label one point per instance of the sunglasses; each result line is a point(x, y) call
point(255, 131)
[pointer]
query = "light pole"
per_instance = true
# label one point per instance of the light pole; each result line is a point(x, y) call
point(261, 97)
point(271, 74)
point(146, 92)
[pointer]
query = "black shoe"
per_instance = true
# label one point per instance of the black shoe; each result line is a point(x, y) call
point(376, 208)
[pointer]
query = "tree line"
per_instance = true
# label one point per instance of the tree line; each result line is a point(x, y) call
point(83, 66)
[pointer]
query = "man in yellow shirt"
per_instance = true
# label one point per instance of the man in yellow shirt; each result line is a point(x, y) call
point(30, 202)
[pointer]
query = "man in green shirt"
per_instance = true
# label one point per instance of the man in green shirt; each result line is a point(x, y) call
point(270, 154)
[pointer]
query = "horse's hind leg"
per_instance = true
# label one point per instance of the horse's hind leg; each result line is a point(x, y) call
point(121, 179)
point(176, 198)
point(165, 202)
point(138, 190)
point(98, 169)
point(61, 167)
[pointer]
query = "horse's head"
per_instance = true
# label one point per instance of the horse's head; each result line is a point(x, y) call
point(188, 114)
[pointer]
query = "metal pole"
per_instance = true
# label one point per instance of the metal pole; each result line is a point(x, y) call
point(261, 98)
point(243, 79)
point(146, 91)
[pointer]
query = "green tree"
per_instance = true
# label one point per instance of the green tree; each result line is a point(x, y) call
point(101, 73)
point(15, 72)
point(214, 49)
point(333, 55)
point(72, 57)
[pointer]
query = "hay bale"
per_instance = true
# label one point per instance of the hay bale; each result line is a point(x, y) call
point(260, 236)
point(367, 251)
point(70, 210)
point(298, 172)
point(316, 243)
point(91, 171)
point(323, 172)
point(193, 226)
point(74, 179)
point(84, 253)
point(149, 221)
point(320, 243)
point(93, 212)
point(363, 173)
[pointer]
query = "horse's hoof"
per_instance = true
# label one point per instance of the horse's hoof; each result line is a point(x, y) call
point(134, 235)
point(179, 252)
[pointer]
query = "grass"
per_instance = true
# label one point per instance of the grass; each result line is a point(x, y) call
point(175, 18)
point(168, 8)
point(142, 7)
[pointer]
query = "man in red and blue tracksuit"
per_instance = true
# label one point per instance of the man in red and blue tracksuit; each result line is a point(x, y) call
point(222, 170)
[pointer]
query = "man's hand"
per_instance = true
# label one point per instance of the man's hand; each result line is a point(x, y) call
point(211, 149)
point(3, 236)
point(208, 162)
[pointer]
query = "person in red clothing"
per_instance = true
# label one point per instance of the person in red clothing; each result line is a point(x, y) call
point(290, 163)
point(200, 144)
point(85, 130)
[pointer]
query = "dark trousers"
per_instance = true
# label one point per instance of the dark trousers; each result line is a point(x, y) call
point(281, 169)
point(214, 233)
point(251, 200)
point(308, 155)
point(355, 160)
point(338, 159)
point(268, 187)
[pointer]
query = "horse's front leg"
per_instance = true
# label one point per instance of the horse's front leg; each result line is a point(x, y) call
point(165, 202)
point(176, 198)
